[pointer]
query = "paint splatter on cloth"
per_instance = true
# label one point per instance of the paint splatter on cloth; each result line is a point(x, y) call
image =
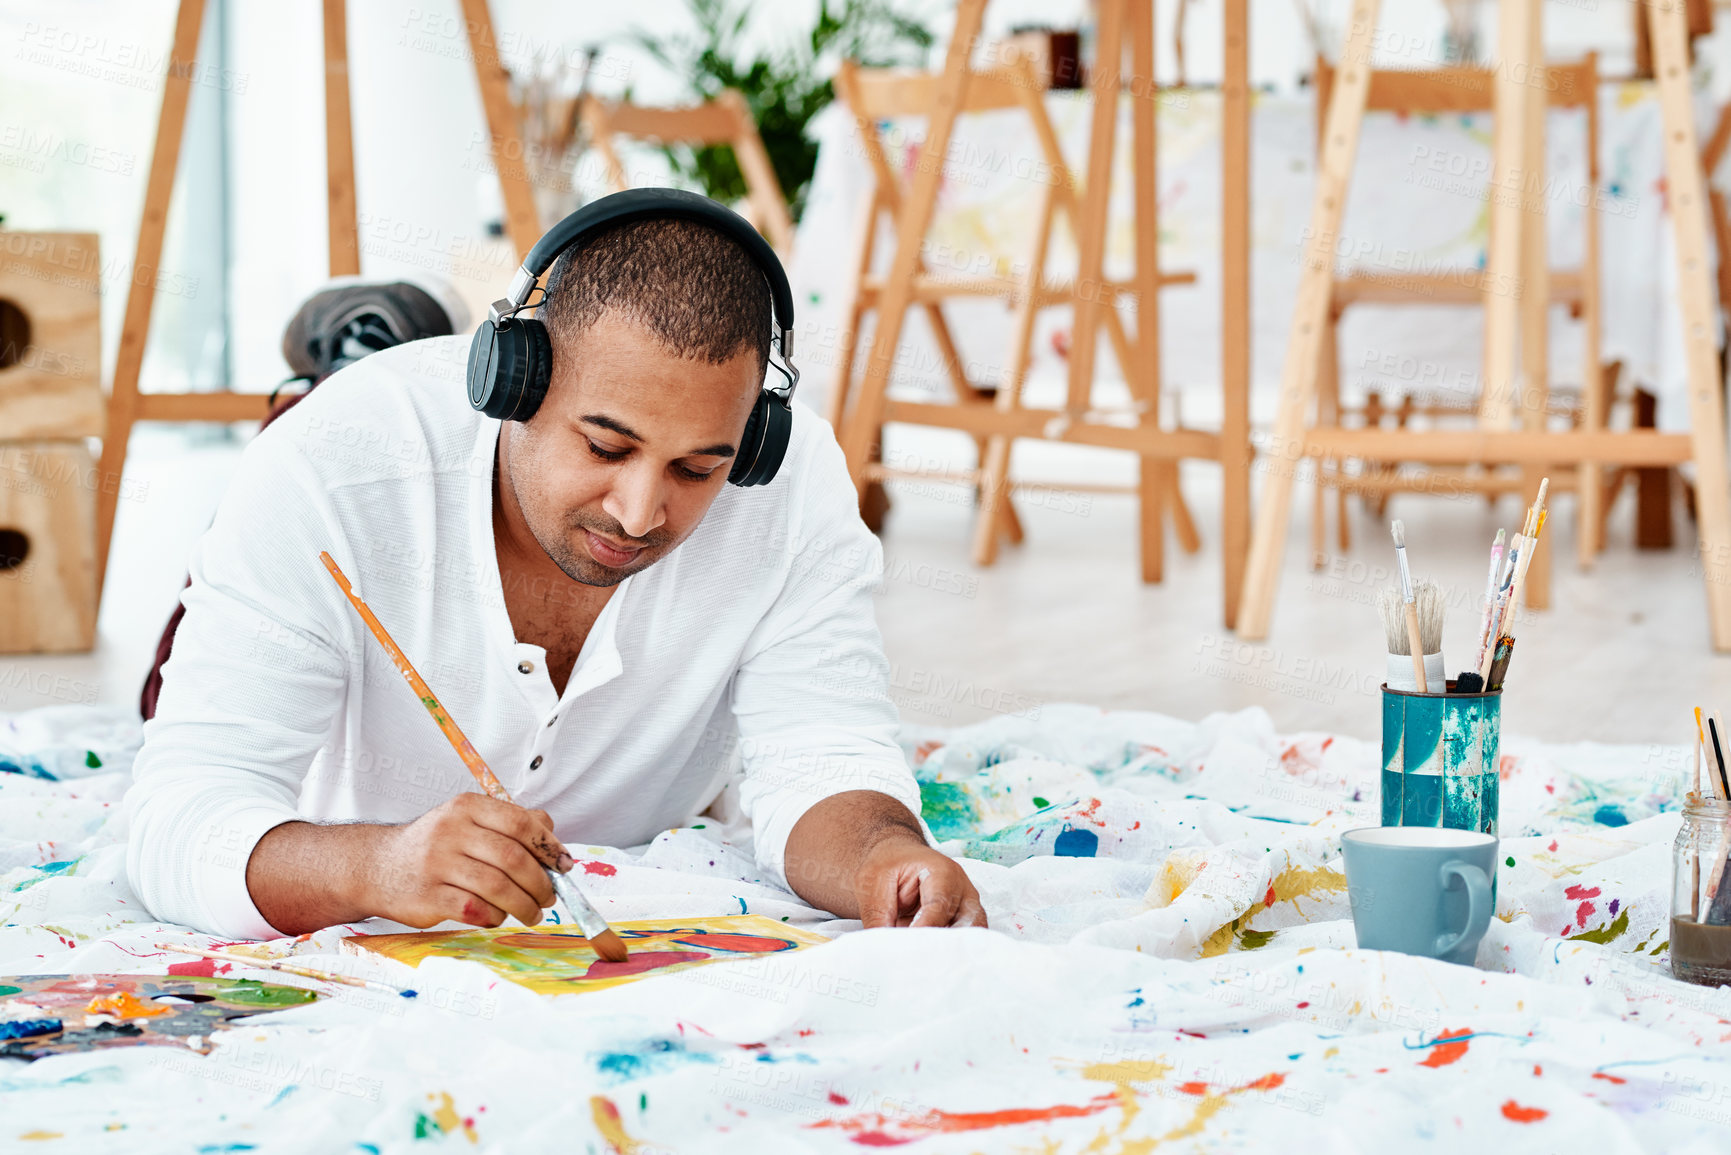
point(1171, 963)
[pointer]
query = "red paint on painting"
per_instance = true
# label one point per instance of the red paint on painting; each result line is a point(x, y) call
point(737, 943)
point(604, 869)
point(1519, 1114)
point(641, 961)
point(1575, 892)
point(1444, 1053)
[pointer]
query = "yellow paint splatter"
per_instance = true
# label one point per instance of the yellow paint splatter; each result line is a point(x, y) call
point(611, 1126)
point(126, 1005)
point(42, 1135)
point(445, 1115)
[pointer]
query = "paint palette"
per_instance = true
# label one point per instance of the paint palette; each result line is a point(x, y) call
point(558, 960)
point(43, 1015)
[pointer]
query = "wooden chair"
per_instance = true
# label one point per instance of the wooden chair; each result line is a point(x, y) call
point(725, 120)
point(1457, 90)
point(877, 95)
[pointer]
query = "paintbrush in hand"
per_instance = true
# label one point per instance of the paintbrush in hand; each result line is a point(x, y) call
point(607, 944)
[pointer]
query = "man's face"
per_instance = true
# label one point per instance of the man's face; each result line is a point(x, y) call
point(632, 443)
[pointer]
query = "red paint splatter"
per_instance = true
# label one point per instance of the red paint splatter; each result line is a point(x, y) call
point(753, 1046)
point(1538, 1071)
point(1092, 813)
point(1304, 1004)
point(1575, 892)
point(1444, 1053)
point(838, 1100)
point(1193, 1088)
point(1617, 1079)
point(1327, 742)
point(204, 966)
point(1515, 1112)
point(1553, 846)
point(1268, 1082)
point(1268, 899)
point(1581, 913)
point(877, 1130)
point(925, 750)
point(604, 869)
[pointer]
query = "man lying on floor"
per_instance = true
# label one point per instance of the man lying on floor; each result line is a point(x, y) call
point(619, 631)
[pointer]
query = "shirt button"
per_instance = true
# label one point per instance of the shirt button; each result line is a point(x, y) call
point(535, 764)
point(553, 719)
point(525, 667)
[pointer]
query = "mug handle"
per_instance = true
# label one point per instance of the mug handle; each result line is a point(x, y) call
point(1478, 904)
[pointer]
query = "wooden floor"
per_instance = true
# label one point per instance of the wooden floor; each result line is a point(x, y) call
point(1062, 618)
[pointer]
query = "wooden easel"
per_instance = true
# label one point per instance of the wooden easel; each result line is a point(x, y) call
point(1091, 296)
point(126, 405)
point(1516, 253)
point(724, 120)
point(1456, 89)
point(878, 95)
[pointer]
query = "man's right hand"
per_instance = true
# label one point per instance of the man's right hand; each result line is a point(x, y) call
point(472, 859)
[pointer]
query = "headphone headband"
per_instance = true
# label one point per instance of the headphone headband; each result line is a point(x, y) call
point(511, 357)
point(661, 204)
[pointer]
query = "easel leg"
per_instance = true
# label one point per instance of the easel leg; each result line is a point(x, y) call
point(141, 294)
point(1535, 301)
point(1236, 454)
point(522, 221)
point(863, 429)
point(1706, 404)
point(1309, 319)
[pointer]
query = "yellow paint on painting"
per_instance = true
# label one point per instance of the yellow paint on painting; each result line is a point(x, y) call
point(558, 960)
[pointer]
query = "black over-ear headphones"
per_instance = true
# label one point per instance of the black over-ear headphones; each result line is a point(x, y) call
point(511, 357)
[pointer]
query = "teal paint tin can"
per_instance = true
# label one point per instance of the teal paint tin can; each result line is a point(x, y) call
point(1439, 759)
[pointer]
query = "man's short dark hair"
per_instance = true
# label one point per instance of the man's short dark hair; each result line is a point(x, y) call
point(696, 289)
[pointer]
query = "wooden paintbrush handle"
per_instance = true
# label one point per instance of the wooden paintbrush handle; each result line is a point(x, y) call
point(1416, 646)
point(465, 749)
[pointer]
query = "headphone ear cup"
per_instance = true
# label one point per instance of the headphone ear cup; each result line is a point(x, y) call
point(764, 443)
point(510, 366)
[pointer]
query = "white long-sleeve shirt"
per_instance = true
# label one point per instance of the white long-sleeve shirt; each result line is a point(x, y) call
point(751, 645)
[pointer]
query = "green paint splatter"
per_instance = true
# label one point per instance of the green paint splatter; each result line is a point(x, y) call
point(91, 760)
point(949, 809)
point(697, 826)
point(252, 993)
point(1040, 802)
point(8, 990)
point(643, 1101)
point(1510, 860)
point(1604, 934)
point(425, 1128)
point(1254, 939)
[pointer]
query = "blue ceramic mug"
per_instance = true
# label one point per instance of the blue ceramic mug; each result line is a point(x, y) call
point(1420, 890)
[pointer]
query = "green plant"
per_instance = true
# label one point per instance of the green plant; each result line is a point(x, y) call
point(784, 89)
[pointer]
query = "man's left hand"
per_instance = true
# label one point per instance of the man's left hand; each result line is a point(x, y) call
point(903, 882)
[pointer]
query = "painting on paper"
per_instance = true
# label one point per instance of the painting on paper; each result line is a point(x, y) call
point(558, 960)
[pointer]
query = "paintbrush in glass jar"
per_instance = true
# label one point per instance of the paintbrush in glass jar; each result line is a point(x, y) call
point(1415, 644)
point(576, 908)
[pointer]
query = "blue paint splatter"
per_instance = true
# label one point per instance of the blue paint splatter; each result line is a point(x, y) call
point(282, 1094)
point(218, 1148)
point(741, 903)
point(1073, 843)
point(1609, 815)
point(655, 1057)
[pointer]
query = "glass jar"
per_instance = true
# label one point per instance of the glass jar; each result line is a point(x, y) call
point(1701, 894)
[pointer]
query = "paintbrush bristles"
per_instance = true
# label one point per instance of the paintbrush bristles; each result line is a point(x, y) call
point(609, 947)
point(1396, 528)
point(1428, 600)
